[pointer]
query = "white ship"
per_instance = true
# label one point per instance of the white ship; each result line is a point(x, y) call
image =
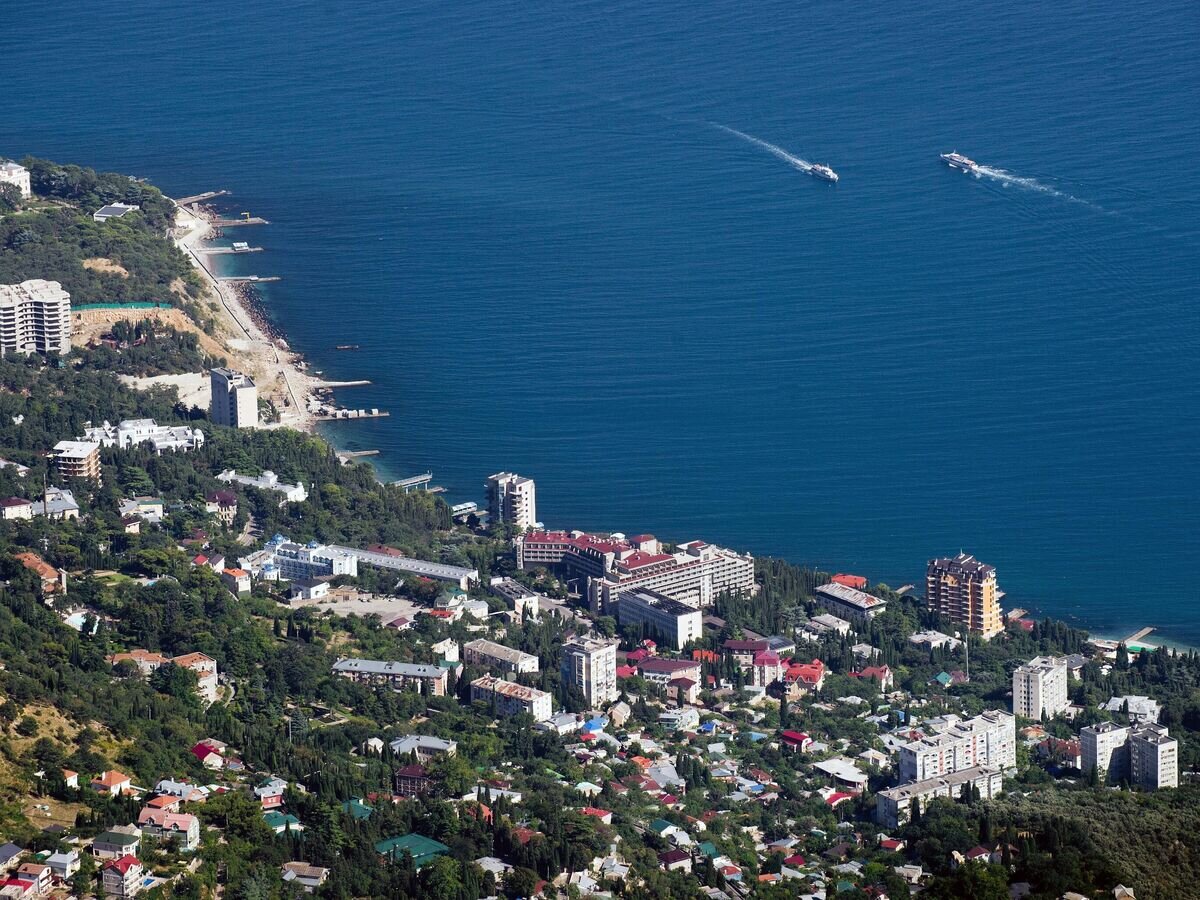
point(823, 172)
point(957, 161)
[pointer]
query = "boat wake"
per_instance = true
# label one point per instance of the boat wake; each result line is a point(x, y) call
point(1030, 184)
point(795, 162)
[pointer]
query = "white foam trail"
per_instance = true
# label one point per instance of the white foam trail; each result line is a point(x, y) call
point(794, 161)
point(1031, 184)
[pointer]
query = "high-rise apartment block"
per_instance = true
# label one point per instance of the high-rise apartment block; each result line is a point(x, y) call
point(234, 399)
point(988, 740)
point(964, 591)
point(1040, 688)
point(512, 499)
point(35, 317)
point(591, 665)
point(1145, 755)
point(77, 459)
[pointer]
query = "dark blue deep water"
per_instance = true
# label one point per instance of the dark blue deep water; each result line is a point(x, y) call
point(556, 262)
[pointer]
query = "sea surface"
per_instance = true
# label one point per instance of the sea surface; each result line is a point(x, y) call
point(578, 241)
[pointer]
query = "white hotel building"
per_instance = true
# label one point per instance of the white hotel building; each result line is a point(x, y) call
point(695, 574)
point(35, 317)
point(16, 174)
point(1040, 688)
point(507, 698)
point(988, 740)
point(669, 621)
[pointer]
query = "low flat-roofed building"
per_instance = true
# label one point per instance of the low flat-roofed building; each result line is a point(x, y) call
point(430, 680)
point(850, 603)
point(498, 656)
point(113, 211)
point(893, 807)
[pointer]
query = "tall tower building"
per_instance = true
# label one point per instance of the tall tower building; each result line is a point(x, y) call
point(963, 590)
point(591, 665)
point(234, 399)
point(512, 499)
point(35, 317)
point(1040, 688)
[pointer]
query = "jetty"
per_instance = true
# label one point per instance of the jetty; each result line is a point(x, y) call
point(349, 415)
point(347, 456)
point(340, 384)
point(217, 251)
point(415, 483)
point(249, 279)
point(200, 198)
point(1138, 635)
point(246, 220)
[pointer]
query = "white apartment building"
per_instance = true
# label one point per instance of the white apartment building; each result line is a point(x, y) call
point(430, 680)
point(498, 656)
point(234, 399)
point(35, 317)
point(267, 481)
point(591, 665)
point(893, 807)
point(1105, 747)
point(989, 740)
point(1153, 758)
point(850, 603)
point(15, 173)
point(507, 698)
point(1040, 688)
point(671, 622)
point(512, 499)
point(132, 432)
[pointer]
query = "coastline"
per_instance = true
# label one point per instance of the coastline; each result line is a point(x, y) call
point(258, 347)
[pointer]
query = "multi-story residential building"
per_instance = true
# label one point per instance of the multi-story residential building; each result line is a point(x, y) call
point(742, 652)
point(222, 504)
point(498, 656)
point(205, 667)
point(512, 499)
point(526, 604)
point(591, 665)
point(430, 680)
point(77, 459)
point(1105, 747)
point(1153, 757)
point(849, 603)
point(35, 317)
point(893, 807)
point(234, 399)
point(16, 174)
point(659, 670)
point(1040, 688)
point(132, 432)
point(672, 622)
point(507, 698)
point(989, 739)
point(12, 508)
point(122, 877)
point(166, 825)
point(267, 481)
point(963, 590)
point(696, 573)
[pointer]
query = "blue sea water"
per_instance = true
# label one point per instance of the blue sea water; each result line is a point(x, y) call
point(557, 261)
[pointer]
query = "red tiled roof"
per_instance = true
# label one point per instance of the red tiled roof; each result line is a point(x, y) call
point(858, 582)
point(123, 864)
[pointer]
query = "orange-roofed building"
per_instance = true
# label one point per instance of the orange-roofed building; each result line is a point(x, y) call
point(54, 581)
point(112, 783)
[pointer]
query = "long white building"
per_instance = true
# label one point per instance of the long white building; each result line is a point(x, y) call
point(35, 317)
point(989, 739)
point(267, 481)
point(1040, 688)
point(507, 698)
point(591, 665)
point(893, 807)
point(669, 621)
point(431, 680)
point(850, 603)
point(132, 432)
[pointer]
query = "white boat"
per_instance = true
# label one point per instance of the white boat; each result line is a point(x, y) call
point(823, 172)
point(957, 161)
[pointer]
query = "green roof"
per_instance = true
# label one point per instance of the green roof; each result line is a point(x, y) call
point(357, 809)
point(709, 849)
point(279, 820)
point(117, 837)
point(943, 679)
point(658, 826)
point(421, 848)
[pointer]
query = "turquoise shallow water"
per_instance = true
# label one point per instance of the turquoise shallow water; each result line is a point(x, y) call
point(557, 261)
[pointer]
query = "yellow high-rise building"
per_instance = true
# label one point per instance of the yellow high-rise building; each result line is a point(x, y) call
point(963, 590)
